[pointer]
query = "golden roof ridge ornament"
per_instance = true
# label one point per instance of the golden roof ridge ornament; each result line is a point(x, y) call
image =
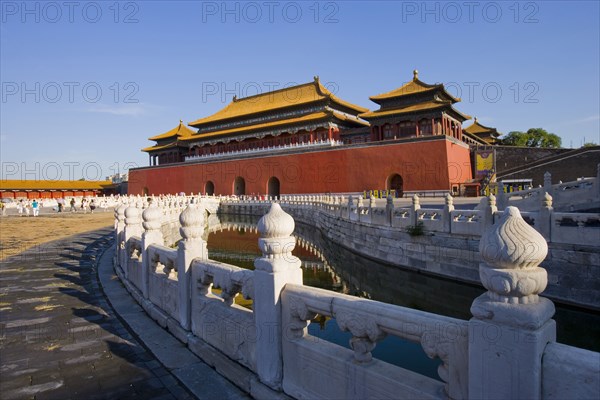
point(235, 97)
point(415, 75)
point(316, 78)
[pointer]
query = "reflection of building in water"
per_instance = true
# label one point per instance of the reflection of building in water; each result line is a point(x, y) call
point(236, 242)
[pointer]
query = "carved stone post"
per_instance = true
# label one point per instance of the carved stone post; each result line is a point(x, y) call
point(488, 210)
point(372, 205)
point(511, 324)
point(349, 206)
point(119, 234)
point(191, 246)
point(152, 217)
point(447, 213)
point(273, 271)
point(548, 183)
point(359, 209)
point(133, 227)
point(416, 206)
point(389, 210)
point(544, 220)
point(501, 196)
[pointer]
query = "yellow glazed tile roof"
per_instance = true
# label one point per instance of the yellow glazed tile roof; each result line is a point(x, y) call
point(163, 147)
point(15, 184)
point(478, 128)
point(288, 97)
point(179, 131)
point(429, 105)
point(279, 123)
point(412, 87)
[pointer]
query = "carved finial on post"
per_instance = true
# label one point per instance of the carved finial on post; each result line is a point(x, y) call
point(133, 220)
point(276, 268)
point(191, 246)
point(487, 209)
point(152, 217)
point(191, 220)
point(449, 201)
point(544, 221)
point(447, 213)
point(501, 196)
point(547, 200)
point(120, 235)
point(372, 203)
point(547, 179)
point(548, 182)
point(275, 229)
point(389, 210)
point(416, 202)
point(512, 251)
point(416, 206)
point(513, 309)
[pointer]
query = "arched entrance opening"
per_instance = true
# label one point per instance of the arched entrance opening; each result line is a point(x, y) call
point(239, 186)
point(209, 188)
point(273, 187)
point(395, 182)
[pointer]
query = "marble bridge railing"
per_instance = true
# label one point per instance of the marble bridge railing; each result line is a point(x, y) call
point(507, 350)
point(555, 227)
point(567, 196)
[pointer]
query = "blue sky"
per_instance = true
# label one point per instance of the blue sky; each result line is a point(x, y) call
point(85, 83)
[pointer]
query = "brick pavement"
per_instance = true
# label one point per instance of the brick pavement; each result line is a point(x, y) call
point(59, 337)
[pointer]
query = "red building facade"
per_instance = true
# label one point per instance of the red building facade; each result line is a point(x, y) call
point(304, 139)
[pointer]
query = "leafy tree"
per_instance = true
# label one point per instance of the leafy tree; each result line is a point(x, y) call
point(534, 137)
point(589, 144)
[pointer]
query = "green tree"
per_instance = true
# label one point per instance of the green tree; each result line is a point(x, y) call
point(589, 144)
point(534, 137)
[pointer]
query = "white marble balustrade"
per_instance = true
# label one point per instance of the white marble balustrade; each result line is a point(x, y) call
point(507, 350)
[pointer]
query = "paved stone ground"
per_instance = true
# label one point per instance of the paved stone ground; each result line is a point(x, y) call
point(60, 339)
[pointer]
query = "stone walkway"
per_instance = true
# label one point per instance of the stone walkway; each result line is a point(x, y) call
point(60, 338)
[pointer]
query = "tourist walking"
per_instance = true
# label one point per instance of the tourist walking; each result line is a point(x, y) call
point(35, 208)
point(84, 205)
point(92, 206)
point(72, 203)
point(27, 208)
point(2, 209)
point(20, 206)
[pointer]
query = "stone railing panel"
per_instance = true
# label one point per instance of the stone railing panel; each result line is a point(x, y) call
point(369, 322)
point(431, 219)
point(466, 222)
point(401, 217)
point(570, 373)
point(133, 261)
point(162, 279)
point(216, 319)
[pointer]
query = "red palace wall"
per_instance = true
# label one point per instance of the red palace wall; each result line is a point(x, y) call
point(423, 164)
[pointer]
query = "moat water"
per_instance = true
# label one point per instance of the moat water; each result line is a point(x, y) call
point(330, 266)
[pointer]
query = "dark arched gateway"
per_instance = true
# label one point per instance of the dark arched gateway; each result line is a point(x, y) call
point(273, 187)
point(239, 186)
point(209, 188)
point(395, 182)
